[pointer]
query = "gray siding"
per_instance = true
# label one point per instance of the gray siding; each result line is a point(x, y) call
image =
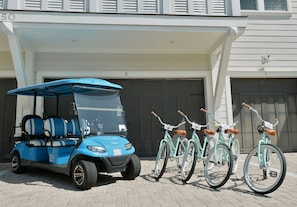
point(267, 33)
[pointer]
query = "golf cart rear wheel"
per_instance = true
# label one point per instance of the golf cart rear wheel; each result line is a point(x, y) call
point(132, 169)
point(84, 174)
point(16, 164)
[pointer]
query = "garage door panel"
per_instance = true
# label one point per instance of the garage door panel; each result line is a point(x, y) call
point(273, 98)
point(132, 112)
point(292, 120)
point(165, 97)
point(237, 108)
point(7, 116)
point(282, 139)
point(248, 129)
point(148, 104)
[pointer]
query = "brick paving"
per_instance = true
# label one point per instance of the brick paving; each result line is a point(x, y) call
point(41, 188)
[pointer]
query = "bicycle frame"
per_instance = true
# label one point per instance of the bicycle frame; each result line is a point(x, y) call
point(265, 139)
point(228, 129)
point(195, 138)
point(222, 140)
point(201, 148)
point(173, 149)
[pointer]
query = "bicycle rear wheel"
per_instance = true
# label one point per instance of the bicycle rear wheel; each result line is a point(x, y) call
point(235, 148)
point(161, 160)
point(189, 162)
point(218, 166)
point(267, 175)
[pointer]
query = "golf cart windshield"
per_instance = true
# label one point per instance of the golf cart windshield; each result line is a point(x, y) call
point(100, 111)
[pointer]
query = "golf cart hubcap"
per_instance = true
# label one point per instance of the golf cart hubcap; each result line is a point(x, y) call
point(79, 175)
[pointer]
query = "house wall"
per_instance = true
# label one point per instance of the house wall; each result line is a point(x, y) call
point(267, 33)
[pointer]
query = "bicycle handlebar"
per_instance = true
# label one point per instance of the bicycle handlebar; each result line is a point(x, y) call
point(196, 125)
point(266, 123)
point(167, 126)
point(220, 123)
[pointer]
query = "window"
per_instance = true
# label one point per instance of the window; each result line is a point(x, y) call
point(264, 5)
point(248, 4)
point(280, 5)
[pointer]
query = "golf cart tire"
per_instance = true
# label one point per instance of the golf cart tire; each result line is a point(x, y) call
point(132, 169)
point(84, 174)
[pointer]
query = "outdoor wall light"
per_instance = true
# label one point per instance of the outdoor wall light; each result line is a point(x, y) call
point(265, 59)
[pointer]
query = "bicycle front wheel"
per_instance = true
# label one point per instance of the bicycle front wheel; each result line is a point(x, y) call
point(235, 151)
point(189, 162)
point(265, 169)
point(182, 145)
point(161, 160)
point(218, 165)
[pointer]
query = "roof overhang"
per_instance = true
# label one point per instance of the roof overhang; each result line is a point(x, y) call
point(120, 33)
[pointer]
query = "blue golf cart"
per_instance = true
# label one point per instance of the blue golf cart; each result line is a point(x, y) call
point(92, 141)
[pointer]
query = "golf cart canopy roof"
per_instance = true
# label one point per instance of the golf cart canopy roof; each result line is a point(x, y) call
point(62, 87)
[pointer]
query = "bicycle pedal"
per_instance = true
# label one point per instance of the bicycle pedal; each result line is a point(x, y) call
point(273, 174)
point(234, 157)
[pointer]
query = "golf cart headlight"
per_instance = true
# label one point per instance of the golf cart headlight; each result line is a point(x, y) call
point(98, 149)
point(128, 146)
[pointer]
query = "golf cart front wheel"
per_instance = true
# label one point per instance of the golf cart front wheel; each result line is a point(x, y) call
point(84, 174)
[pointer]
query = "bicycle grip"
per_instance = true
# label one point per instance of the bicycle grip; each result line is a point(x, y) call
point(246, 105)
point(180, 112)
point(153, 113)
point(203, 110)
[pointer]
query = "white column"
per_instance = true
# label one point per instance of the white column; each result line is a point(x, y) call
point(23, 104)
point(225, 54)
point(16, 54)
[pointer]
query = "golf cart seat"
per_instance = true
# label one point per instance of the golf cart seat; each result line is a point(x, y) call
point(32, 129)
point(56, 129)
point(73, 128)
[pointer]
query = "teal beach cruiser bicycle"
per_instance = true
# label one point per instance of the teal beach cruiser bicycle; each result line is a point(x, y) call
point(229, 139)
point(195, 151)
point(169, 149)
point(265, 165)
point(220, 160)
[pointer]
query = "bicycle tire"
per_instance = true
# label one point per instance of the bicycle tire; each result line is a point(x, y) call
point(161, 160)
point(264, 180)
point(218, 166)
point(181, 150)
point(235, 148)
point(189, 162)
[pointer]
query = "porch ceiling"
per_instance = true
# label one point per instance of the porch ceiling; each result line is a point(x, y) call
point(185, 35)
point(109, 40)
